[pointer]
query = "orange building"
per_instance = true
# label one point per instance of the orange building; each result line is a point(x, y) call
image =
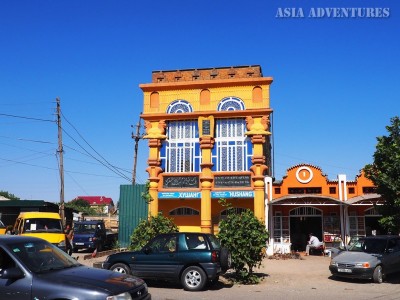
point(209, 138)
point(208, 133)
point(307, 201)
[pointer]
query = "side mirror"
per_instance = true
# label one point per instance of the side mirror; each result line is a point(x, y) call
point(147, 250)
point(12, 273)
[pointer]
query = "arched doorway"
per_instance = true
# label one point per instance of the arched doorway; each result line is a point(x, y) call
point(304, 220)
point(372, 226)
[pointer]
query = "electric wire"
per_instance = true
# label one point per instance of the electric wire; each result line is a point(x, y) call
point(27, 118)
point(107, 165)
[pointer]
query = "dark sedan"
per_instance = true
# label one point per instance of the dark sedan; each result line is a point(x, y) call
point(32, 268)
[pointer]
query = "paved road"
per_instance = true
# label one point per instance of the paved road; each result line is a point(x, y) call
point(306, 278)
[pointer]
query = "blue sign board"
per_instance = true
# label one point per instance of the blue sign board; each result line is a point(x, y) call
point(179, 195)
point(214, 195)
point(232, 194)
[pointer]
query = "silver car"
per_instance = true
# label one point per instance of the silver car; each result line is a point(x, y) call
point(370, 257)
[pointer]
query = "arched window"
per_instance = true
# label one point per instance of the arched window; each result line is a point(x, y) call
point(235, 210)
point(257, 94)
point(179, 106)
point(154, 100)
point(372, 212)
point(305, 211)
point(205, 97)
point(184, 211)
point(231, 103)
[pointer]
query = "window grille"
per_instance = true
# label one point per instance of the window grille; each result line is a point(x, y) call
point(305, 211)
point(181, 151)
point(232, 150)
point(184, 211)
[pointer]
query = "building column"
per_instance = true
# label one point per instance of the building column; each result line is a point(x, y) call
point(206, 125)
point(258, 169)
point(155, 134)
point(257, 130)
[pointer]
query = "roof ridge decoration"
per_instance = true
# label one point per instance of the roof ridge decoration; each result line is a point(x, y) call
point(304, 164)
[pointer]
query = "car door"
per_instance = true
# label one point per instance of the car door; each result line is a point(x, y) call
point(159, 259)
point(391, 257)
point(15, 289)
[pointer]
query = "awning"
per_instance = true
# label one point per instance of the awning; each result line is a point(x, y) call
point(367, 199)
point(301, 199)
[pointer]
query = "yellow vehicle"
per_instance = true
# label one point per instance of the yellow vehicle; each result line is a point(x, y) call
point(45, 225)
point(2, 228)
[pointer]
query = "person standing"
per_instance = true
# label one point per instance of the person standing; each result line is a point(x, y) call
point(313, 242)
point(69, 235)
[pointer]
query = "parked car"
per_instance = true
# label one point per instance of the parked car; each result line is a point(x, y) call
point(93, 235)
point(336, 250)
point(32, 268)
point(193, 259)
point(371, 257)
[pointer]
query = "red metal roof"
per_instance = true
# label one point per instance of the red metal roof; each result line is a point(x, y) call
point(97, 200)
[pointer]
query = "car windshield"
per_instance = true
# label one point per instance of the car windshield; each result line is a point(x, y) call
point(369, 246)
point(84, 228)
point(41, 256)
point(42, 225)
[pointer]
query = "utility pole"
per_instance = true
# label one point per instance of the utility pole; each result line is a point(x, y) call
point(60, 152)
point(137, 138)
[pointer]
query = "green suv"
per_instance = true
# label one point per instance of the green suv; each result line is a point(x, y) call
point(193, 259)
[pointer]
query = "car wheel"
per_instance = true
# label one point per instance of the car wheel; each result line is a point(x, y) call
point(193, 279)
point(378, 275)
point(226, 259)
point(120, 268)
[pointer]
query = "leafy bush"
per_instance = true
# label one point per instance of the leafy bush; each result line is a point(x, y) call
point(147, 229)
point(245, 237)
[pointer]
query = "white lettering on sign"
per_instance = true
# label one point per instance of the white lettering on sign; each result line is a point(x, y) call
point(189, 195)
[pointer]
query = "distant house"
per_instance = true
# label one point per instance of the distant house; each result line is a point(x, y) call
point(100, 203)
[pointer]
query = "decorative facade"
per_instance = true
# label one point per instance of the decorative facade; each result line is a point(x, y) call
point(209, 137)
point(306, 201)
point(208, 133)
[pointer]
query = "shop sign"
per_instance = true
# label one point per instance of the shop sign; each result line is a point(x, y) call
point(179, 195)
point(173, 182)
point(232, 181)
point(232, 194)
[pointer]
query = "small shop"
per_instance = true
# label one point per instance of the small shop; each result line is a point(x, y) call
point(306, 201)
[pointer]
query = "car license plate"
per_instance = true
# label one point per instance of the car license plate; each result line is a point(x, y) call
point(79, 244)
point(345, 270)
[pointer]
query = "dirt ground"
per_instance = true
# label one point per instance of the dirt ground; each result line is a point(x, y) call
point(304, 278)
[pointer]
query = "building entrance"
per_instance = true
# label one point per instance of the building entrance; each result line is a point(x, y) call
point(300, 227)
point(304, 220)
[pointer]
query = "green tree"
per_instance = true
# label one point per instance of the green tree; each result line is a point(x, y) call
point(147, 229)
point(245, 237)
point(81, 205)
point(385, 174)
point(9, 195)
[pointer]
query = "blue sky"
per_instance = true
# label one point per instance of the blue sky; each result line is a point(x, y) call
point(335, 82)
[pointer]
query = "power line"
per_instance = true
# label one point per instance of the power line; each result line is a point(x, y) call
point(27, 118)
point(109, 166)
